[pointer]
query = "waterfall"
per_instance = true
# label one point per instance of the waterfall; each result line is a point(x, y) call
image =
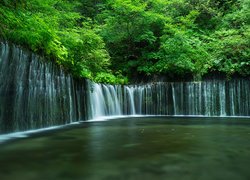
point(35, 93)
point(104, 100)
point(130, 93)
point(140, 95)
point(206, 98)
point(174, 98)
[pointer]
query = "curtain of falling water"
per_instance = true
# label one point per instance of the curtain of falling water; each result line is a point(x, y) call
point(36, 94)
point(206, 98)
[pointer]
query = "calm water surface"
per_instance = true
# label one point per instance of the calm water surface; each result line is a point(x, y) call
point(134, 148)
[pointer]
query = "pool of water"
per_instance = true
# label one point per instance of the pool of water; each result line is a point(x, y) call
point(173, 148)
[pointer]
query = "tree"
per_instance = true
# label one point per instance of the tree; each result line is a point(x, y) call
point(131, 32)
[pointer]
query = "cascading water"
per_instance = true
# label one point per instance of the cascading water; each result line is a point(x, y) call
point(36, 94)
point(104, 100)
point(129, 93)
point(207, 98)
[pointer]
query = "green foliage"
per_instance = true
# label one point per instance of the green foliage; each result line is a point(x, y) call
point(87, 54)
point(178, 36)
point(181, 54)
point(131, 31)
point(54, 29)
point(231, 41)
point(110, 40)
point(232, 52)
point(110, 78)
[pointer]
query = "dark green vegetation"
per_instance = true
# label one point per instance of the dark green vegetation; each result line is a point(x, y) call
point(134, 148)
point(113, 40)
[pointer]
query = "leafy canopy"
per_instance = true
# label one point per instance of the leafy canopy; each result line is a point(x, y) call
point(114, 41)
